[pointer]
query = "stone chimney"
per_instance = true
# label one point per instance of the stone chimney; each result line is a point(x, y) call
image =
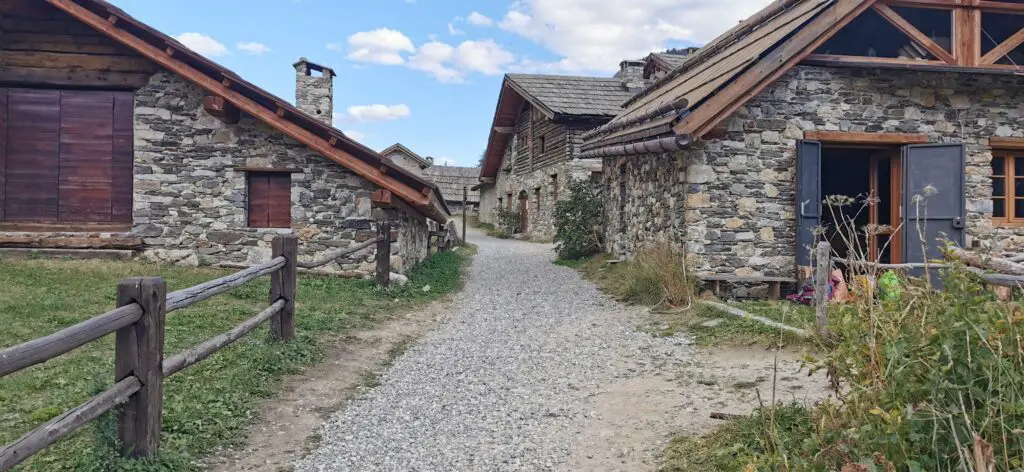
point(314, 89)
point(631, 73)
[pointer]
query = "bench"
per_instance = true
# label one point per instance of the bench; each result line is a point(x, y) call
point(774, 283)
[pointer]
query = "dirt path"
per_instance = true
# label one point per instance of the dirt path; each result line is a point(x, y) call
point(288, 424)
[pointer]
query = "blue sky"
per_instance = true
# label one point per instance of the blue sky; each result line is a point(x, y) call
point(427, 73)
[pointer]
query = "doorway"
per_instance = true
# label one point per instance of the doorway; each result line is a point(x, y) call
point(524, 206)
point(860, 187)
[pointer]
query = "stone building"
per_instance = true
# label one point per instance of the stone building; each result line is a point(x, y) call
point(135, 143)
point(659, 64)
point(535, 141)
point(406, 159)
point(453, 182)
point(731, 154)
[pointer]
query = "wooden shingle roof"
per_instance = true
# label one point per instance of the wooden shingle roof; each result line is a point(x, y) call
point(560, 95)
point(452, 180)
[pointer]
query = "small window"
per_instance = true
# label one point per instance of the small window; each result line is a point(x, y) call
point(509, 201)
point(270, 200)
point(554, 187)
point(543, 144)
point(1008, 187)
point(536, 194)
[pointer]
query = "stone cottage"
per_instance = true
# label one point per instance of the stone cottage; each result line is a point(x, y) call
point(453, 182)
point(535, 141)
point(405, 158)
point(114, 136)
point(916, 105)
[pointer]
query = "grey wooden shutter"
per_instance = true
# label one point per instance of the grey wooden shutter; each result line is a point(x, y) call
point(808, 198)
point(933, 199)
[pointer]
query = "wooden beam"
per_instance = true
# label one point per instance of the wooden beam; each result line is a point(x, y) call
point(504, 129)
point(835, 59)
point(361, 168)
point(221, 109)
point(913, 33)
point(856, 137)
point(967, 36)
point(381, 199)
point(1007, 143)
point(1001, 7)
point(940, 4)
point(1003, 48)
point(766, 71)
point(290, 170)
point(904, 64)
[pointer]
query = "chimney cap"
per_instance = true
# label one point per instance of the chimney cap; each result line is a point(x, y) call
point(309, 65)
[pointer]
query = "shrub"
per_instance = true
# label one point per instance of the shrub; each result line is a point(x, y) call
point(508, 222)
point(578, 221)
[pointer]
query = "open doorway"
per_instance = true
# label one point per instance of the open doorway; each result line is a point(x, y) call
point(869, 179)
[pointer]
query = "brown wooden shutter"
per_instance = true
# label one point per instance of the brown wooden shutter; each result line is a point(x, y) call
point(3, 150)
point(123, 172)
point(280, 200)
point(86, 156)
point(259, 200)
point(33, 124)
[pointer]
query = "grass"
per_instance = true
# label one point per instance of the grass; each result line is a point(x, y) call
point(625, 283)
point(207, 406)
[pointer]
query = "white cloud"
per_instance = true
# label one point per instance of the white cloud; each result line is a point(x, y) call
point(449, 63)
point(595, 35)
point(380, 46)
point(356, 135)
point(452, 30)
point(478, 19)
point(377, 112)
point(202, 44)
point(256, 49)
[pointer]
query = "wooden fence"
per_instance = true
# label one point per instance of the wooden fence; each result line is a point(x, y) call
point(139, 364)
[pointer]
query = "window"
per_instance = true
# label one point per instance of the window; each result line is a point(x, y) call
point(536, 194)
point(270, 199)
point(543, 144)
point(500, 202)
point(509, 201)
point(66, 157)
point(554, 187)
point(1008, 187)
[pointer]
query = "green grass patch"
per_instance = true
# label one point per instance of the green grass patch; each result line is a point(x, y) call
point(207, 406)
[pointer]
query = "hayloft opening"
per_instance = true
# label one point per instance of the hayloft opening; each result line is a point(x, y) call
point(871, 35)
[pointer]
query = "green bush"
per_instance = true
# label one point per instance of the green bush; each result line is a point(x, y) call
point(508, 222)
point(578, 221)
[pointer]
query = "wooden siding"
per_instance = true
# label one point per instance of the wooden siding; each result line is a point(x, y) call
point(33, 151)
point(522, 160)
point(531, 126)
point(42, 45)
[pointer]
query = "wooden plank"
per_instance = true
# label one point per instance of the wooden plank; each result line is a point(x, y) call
point(64, 60)
point(67, 423)
point(1003, 48)
point(967, 36)
point(213, 86)
point(287, 170)
point(283, 286)
point(62, 43)
point(122, 174)
point(139, 353)
point(33, 147)
point(857, 137)
point(40, 350)
point(740, 278)
point(3, 150)
point(184, 360)
point(1001, 7)
point(85, 166)
point(1007, 143)
point(771, 67)
point(822, 273)
point(383, 255)
point(75, 78)
point(913, 33)
point(258, 199)
point(192, 295)
point(280, 200)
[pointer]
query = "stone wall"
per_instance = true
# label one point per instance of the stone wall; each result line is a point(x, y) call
point(190, 201)
point(406, 162)
point(738, 191)
point(541, 224)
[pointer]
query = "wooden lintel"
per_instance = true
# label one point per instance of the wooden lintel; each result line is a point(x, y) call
point(1003, 48)
point(382, 199)
point(863, 138)
point(1001, 7)
point(220, 108)
point(289, 170)
point(913, 33)
point(1007, 143)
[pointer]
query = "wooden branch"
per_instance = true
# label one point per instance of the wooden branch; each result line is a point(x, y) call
point(351, 274)
point(43, 349)
point(725, 416)
point(854, 137)
point(1013, 281)
point(1002, 266)
point(760, 319)
point(55, 429)
point(1003, 48)
point(332, 256)
point(822, 274)
point(189, 296)
point(913, 33)
point(878, 265)
point(186, 359)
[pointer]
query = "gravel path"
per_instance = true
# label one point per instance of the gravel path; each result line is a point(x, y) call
point(506, 382)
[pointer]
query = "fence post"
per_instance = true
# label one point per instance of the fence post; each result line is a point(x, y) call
point(383, 255)
point(822, 273)
point(283, 285)
point(465, 200)
point(139, 351)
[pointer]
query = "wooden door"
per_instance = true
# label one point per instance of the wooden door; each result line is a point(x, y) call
point(524, 217)
point(885, 181)
point(933, 199)
point(808, 199)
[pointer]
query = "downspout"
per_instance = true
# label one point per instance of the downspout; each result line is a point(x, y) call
point(650, 146)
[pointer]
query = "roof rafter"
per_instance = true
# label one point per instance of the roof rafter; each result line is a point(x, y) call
point(913, 33)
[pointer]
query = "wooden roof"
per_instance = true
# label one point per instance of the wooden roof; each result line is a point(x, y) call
point(399, 148)
point(217, 80)
point(452, 180)
point(733, 68)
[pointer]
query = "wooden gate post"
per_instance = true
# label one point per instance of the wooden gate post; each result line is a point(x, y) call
point(283, 285)
point(465, 199)
point(383, 255)
point(139, 352)
point(822, 274)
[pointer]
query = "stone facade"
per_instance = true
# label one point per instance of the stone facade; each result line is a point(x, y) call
point(314, 94)
point(190, 197)
point(406, 162)
point(730, 201)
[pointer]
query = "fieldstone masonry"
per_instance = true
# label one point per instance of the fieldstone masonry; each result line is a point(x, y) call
point(314, 94)
point(730, 200)
point(541, 223)
point(190, 196)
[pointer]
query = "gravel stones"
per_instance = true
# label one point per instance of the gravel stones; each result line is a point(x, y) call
point(504, 383)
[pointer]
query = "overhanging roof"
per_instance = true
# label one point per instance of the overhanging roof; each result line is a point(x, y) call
point(278, 113)
point(398, 147)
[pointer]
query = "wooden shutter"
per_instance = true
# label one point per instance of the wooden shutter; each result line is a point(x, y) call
point(33, 127)
point(259, 200)
point(123, 171)
point(808, 198)
point(86, 156)
point(280, 200)
point(3, 149)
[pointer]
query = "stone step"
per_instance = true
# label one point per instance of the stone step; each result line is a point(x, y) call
point(101, 254)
